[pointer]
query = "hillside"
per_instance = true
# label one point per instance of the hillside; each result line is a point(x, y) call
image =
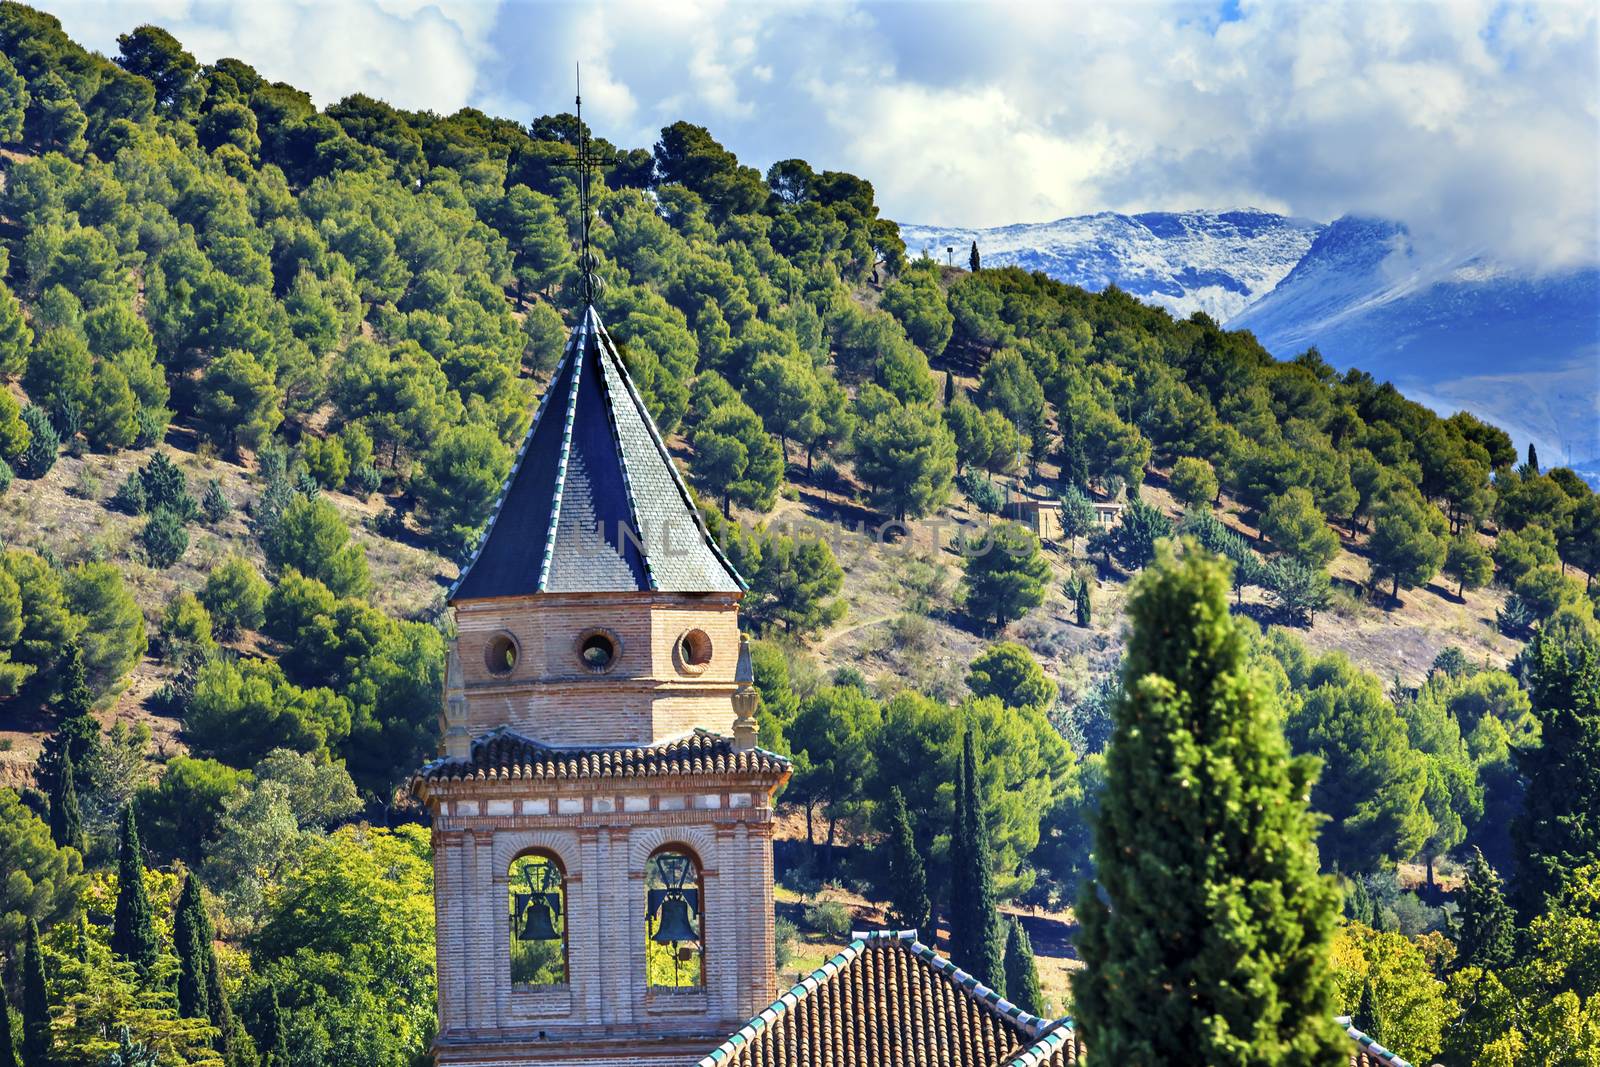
point(266, 369)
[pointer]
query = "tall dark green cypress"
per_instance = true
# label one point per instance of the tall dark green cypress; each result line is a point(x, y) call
point(66, 818)
point(1366, 1017)
point(8, 1040)
point(74, 697)
point(977, 944)
point(36, 1040)
point(1556, 833)
point(1487, 932)
point(1358, 902)
point(191, 940)
point(1533, 458)
point(133, 931)
point(909, 907)
point(1207, 927)
point(1022, 972)
point(274, 1035)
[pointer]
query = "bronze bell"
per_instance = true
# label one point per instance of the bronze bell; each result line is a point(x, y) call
point(538, 918)
point(674, 922)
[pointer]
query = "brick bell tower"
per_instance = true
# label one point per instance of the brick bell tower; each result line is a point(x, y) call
point(601, 814)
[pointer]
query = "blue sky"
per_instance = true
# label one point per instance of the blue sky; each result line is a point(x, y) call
point(1476, 123)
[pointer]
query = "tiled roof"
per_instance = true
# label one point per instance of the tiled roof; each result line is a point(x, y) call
point(889, 999)
point(505, 755)
point(593, 502)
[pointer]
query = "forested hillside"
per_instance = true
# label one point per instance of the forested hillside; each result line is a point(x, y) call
point(266, 367)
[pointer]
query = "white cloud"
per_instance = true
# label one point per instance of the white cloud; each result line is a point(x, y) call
point(413, 53)
point(1474, 122)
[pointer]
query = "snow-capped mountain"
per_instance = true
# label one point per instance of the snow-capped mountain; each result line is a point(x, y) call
point(1211, 261)
point(1519, 349)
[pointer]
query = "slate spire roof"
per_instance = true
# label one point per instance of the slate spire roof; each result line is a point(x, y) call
point(593, 502)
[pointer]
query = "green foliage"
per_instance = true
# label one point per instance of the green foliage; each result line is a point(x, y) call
point(238, 402)
point(1022, 974)
point(113, 631)
point(905, 454)
point(348, 945)
point(1008, 671)
point(186, 637)
point(133, 934)
point(835, 729)
point(181, 814)
point(35, 1000)
point(793, 581)
point(1298, 589)
point(1192, 696)
point(66, 817)
point(235, 595)
point(1297, 529)
point(1408, 541)
point(8, 1040)
point(977, 943)
point(164, 538)
point(1141, 526)
point(44, 444)
point(734, 459)
point(984, 494)
point(1553, 835)
point(1467, 561)
point(311, 537)
point(1006, 576)
point(460, 478)
point(1078, 517)
point(905, 879)
point(1194, 482)
point(918, 301)
point(214, 504)
point(1372, 781)
point(1385, 981)
point(13, 105)
point(43, 880)
point(240, 710)
point(1487, 926)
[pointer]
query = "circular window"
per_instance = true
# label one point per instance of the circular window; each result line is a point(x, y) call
point(598, 650)
point(694, 651)
point(500, 656)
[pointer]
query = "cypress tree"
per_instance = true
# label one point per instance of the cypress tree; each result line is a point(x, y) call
point(976, 943)
point(1366, 1017)
point(1487, 926)
point(191, 939)
point(1533, 458)
point(972, 259)
point(74, 697)
point(1358, 902)
point(8, 1041)
point(35, 1003)
point(1556, 833)
point(133, 932)
point(1022, 973)
point(274, 1036)
point(1206, 929)
point(909, 907)
point(949, 387)
point(66, 818)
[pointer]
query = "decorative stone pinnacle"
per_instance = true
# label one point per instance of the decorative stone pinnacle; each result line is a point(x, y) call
point(745, 699)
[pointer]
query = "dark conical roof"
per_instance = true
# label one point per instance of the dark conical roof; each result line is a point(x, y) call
point(593, 502)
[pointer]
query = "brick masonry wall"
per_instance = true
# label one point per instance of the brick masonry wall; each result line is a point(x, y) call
point(604, 832)
point(649, 694)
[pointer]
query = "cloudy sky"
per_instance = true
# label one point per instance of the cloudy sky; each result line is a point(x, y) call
point(1476, 123)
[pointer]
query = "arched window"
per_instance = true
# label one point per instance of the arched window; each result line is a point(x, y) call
point(673, 948)
point(538, 903)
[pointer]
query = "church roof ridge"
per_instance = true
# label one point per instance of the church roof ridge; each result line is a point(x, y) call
point(504, 754)
point(593, 501)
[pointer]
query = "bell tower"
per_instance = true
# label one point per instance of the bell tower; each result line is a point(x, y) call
point(601, 814)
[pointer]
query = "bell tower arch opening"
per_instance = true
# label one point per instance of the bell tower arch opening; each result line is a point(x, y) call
point(674, 904)
point(537, 896)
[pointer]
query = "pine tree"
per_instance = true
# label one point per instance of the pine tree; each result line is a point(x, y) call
point(909, 907)
point(191, 940)
point(35, 1003)
point(1022, 974)
point(976, 942)
point(8, 1041)
point(66, 818)
point(973, 260)
point(1206, 929)
point(1487, 925)
point(133, 932)
point(1556, 833)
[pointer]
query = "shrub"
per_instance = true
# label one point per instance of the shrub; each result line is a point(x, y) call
point(214, 504)
point(164, 538)
point(5, 476)
point(1299, 590)
point(130, 496)
point(43, 445)
point(326, 460)
point(365, 480)
point(984, 494)
point(828, 917)
point(235, 595)
point(1141, 527)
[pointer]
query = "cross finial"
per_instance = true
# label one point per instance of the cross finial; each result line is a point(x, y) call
point(585, 160)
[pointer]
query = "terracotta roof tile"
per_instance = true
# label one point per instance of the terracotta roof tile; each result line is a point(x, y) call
point(888, 999)
point(505, 755)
